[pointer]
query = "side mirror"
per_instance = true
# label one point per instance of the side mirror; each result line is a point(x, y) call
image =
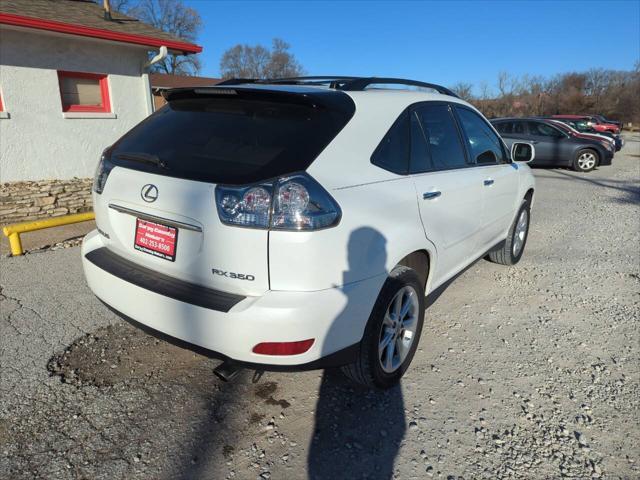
point(522, 152)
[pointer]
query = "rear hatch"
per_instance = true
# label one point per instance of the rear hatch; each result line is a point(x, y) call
point(158, 204)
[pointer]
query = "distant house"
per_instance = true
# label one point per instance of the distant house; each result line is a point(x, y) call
point(161, 82)
point(71, 83)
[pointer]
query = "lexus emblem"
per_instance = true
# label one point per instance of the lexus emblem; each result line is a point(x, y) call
point(149, 193)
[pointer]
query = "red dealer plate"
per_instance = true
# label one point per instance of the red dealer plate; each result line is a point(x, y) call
point(156, 239)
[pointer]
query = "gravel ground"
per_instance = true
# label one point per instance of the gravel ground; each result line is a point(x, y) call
point(525, 372)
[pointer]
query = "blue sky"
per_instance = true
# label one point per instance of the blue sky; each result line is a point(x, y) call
point(441, 42)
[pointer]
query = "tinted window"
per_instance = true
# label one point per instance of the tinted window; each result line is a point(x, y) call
point(420, 156)
point(504, 127)
point(442, 136)
point(230, 140)
point(393, 151)
point(518, 127)
point(543, 130)
point(484, 145)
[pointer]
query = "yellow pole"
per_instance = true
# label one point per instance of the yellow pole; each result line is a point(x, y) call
point(15, 244)
point(14, 231)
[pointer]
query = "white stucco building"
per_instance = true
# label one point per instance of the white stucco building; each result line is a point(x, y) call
point(71, 83)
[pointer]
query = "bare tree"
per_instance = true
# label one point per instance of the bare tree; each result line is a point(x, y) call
point(611, 93)
point(171, 16)
point(246, 61)
point(485, 93)
point(504, 84)
point(463, 90)
point(282, 63)
point(119, 5)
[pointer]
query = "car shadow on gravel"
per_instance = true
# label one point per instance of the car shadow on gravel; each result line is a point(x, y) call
point(357, 431)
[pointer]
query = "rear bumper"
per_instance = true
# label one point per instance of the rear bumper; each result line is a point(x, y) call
point(335, 318)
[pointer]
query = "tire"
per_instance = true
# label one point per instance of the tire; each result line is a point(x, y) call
point(586, 160)
point(513, 248)
point(374, 368)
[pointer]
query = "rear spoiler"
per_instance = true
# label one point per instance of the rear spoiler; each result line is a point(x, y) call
point(331, 99)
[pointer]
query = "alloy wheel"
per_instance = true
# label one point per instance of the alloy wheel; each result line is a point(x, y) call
point(398, 329)
point(586, 161)
point(520, 232)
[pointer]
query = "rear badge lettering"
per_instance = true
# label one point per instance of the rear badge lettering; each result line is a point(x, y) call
point(235, 276)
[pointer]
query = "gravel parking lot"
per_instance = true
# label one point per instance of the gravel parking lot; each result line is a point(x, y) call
point(524, 372)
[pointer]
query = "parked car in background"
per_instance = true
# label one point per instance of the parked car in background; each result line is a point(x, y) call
point(603, 119)
point(583, 126)
point(599, 126)
point(290, 224)
point(554, 145)
point(608, 139)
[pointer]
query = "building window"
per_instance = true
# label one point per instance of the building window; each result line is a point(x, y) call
point(84, 92)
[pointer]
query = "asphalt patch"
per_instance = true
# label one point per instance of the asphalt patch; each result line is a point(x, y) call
point(121, 354)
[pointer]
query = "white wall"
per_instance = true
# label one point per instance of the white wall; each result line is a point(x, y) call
point(36, 142)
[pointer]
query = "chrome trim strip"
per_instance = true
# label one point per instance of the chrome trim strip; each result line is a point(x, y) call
point(155, 218)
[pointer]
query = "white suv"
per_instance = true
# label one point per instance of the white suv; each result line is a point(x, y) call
point(300, 223)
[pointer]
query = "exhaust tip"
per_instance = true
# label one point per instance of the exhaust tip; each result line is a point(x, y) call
point(226, 371)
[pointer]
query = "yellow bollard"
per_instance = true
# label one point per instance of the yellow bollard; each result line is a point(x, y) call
point(15, 244)
point(14, 231)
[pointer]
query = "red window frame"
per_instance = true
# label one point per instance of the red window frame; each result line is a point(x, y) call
point(105, 107)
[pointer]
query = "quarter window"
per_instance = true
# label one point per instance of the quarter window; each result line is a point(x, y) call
point(484, 145)
point(504, 127)
point(420, 156)
point(442, 136)
point(84, 92)
point(393, 151)
point(544, 130)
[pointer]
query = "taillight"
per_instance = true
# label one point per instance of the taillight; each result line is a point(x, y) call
point(244, 206)
point(295, 202)
point(102, 173)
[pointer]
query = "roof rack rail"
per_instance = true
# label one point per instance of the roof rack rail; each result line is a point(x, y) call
point(340, 82)
point(363, 83)
point(333, 81)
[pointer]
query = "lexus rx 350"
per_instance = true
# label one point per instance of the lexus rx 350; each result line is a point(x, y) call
point(300, 223)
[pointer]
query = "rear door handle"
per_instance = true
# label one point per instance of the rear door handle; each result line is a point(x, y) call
point(488, 182)
point(430, 195)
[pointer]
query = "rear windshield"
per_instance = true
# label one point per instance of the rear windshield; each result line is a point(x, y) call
point(231, 140)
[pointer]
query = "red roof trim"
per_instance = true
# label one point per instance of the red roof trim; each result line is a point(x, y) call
point(52, 26)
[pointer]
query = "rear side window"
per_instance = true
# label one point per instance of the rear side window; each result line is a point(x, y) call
point(420, 156)
point(484, 145)
point(544, 130)
point(230, 140)
point(504, 127)
point(393, 151)
point(442, 136)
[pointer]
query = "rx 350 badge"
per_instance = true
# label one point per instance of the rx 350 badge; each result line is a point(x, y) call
point(233, 275)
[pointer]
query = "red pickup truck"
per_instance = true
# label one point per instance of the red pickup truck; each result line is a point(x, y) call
point(593, 122)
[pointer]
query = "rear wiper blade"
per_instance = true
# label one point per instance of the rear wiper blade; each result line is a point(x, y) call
point(142, 158)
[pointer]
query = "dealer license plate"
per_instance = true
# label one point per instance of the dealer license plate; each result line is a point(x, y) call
point(156, 239)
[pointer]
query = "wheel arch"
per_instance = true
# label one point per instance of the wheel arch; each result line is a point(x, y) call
point(529, 195)
point(421, 262)
point(596, 148)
